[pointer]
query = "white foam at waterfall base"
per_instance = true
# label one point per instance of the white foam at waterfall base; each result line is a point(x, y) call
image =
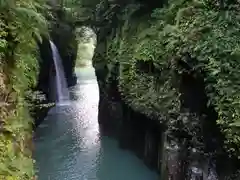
point(62, 93)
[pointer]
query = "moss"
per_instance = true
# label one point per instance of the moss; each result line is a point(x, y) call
point(18, 71)
point(183, 37)
point(194, 38)
point(16, 123)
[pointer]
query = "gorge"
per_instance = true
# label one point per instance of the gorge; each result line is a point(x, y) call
point(167, 78)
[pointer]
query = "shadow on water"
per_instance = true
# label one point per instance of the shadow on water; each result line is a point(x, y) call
point(70, 145)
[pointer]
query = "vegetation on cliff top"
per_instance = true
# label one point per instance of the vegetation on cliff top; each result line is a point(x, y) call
point(195, 37)
point(20, 23)
point(202, 35)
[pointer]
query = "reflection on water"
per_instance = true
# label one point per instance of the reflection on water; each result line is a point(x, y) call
point(69, 145)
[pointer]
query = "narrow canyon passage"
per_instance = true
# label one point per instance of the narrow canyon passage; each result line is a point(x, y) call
point(69, 144)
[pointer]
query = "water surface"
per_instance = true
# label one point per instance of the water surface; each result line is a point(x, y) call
point(69, 145)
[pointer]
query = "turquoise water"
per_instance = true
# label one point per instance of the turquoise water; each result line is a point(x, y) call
point(69, 144)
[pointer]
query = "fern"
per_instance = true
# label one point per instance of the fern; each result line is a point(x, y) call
point(20, 22)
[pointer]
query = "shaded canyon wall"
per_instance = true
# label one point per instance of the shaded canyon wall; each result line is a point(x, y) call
point(190, 147)
point(63, 35)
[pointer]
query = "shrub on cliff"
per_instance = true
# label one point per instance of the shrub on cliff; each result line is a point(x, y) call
point(210, 36)
point(204, 35)
point(20, 24)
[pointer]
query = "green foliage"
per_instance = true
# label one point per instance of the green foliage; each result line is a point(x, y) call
point(86, 43)
point(198, 28)
point(212, 38)
point(79, 10)
point(20, 24)
point(141, 90)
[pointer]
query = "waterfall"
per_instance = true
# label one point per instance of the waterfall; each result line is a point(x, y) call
point(62, 93)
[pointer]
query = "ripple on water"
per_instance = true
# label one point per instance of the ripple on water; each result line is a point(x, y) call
point(69, 145)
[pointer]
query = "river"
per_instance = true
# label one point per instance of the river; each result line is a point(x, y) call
point(69, 144)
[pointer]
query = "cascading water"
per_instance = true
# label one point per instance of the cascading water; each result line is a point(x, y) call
point(62, 93)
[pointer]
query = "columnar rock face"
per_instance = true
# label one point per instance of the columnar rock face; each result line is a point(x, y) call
point(159, 110)
point(152, 73)
point(134, 130)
